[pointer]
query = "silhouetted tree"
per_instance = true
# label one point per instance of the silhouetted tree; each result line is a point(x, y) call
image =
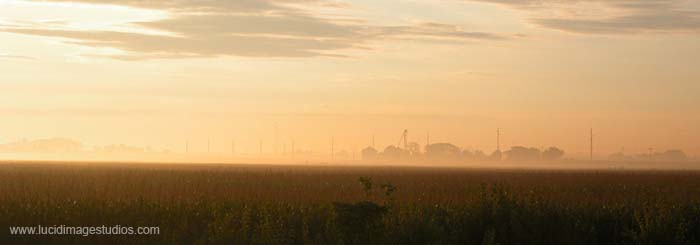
point(479, 155)
point(671, 155)
point(497, 155)
point(519, 153)
point(467, 154)
point(552, 153)
point(618, 156)
point(442, 150)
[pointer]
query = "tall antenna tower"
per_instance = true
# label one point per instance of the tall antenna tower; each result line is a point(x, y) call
point(591, 145)
point(403, 138)
point(332, 148)
point(373, 145)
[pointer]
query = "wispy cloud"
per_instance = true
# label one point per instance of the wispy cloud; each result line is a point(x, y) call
point(252, 28)
point(612, 16)
point(19, 57)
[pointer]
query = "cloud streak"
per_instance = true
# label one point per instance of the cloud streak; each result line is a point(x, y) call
point(612, 16)
point(16, 57)
point(250, 28)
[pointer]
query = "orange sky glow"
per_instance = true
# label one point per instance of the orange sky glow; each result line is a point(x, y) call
point(164, 72)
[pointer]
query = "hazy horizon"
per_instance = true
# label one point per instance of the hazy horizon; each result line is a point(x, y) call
point(160, 73)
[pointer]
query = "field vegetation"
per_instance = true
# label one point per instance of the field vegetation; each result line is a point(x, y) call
point(255, 204)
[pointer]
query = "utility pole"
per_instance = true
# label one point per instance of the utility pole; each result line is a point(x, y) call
point(427, 142)
point(427, 139)
point(498, 139)
point(591, 144)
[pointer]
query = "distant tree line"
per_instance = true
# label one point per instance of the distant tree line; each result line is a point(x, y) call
point(447, 151)
point(669, 155)
point(52, 145)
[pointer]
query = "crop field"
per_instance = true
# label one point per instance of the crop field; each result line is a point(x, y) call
point(266, 204)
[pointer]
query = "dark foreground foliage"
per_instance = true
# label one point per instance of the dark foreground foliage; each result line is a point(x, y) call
point(490, 213)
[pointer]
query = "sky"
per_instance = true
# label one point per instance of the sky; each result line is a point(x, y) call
point(161, 72)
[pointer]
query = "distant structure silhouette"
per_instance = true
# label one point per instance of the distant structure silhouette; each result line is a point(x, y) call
point(393, 152)
point(369, 153)
point(404, 138)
